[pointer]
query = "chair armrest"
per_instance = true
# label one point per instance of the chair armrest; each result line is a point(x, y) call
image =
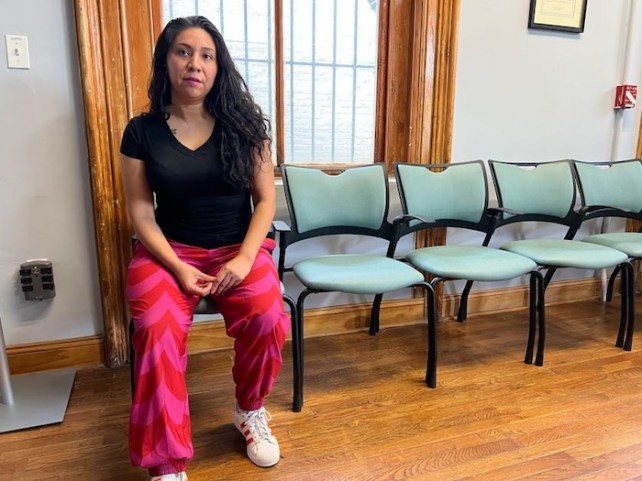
point(596, 208)
point(496, 211)
point(280, 226)
point(408, 217)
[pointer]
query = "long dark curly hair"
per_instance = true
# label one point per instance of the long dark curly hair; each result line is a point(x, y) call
point(244, 127)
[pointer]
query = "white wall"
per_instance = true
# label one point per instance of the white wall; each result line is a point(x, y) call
point(540, 95)
point(44, 178)
point(537, 95)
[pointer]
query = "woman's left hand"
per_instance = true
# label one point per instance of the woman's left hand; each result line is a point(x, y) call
point(231, 274)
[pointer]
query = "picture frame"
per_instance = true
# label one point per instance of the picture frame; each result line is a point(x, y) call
point(560, 15)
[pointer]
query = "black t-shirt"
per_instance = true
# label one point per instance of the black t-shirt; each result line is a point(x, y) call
point(194, 204)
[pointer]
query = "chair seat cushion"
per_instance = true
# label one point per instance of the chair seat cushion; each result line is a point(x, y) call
point(475, 263)
point(356, 274)
point(567, 253)
point(628, 242)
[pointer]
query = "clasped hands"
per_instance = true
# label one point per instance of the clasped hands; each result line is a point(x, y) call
point(230, 275)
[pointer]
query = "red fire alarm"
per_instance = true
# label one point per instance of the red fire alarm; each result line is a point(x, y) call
point(625, 96)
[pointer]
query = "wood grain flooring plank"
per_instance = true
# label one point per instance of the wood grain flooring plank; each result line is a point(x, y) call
point(368, 415)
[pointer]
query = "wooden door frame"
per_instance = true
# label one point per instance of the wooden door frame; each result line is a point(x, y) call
point(113, 90)
point(116, 39)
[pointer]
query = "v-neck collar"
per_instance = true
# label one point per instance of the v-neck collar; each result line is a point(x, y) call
point(182, 147)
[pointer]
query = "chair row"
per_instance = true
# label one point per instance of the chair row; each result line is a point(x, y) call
point(355, 201)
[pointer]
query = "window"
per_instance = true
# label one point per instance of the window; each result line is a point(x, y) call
point(311, 66)
point(415, 97)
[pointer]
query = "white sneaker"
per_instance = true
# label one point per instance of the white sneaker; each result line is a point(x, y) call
point(262, 447)
point(170, 477)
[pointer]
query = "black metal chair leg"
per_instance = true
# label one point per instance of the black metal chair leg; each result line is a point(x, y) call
point(431, 363)
point(532, 314)
point(630, 303)
point(541, 311)
point(463, 303)
point(297, 396)
point(550, 272)
point(624, 307)
point(296, 334)
point(374, 314)
point(297, 352)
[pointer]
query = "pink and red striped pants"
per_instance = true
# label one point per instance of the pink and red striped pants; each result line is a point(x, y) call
point(159, 430)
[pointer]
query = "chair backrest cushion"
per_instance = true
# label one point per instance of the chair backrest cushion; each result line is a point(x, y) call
point(459, 192)
point(356, 197)
point(613, 184)
point(540, 189)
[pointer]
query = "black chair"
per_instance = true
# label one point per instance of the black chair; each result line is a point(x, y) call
point(546, 192)
point(456, 196)
point(614, 190)
point(345, 202)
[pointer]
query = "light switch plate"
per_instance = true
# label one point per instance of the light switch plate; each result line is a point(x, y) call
point(17, 51)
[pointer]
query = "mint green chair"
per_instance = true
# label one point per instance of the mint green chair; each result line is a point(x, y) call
point(456, 196)
point(546, 193)
point(614, 189)
point(345, 202)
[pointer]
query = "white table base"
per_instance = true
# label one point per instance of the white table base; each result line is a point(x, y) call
point(35, 399)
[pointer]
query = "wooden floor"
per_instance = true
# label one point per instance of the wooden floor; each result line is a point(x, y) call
point(368, 415)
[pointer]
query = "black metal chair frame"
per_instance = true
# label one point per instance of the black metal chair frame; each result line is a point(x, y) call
point(572, 221)
point(289, 235)
point(486, 226)
point(590, 212)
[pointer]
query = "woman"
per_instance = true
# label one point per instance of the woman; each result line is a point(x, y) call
point(199, 183)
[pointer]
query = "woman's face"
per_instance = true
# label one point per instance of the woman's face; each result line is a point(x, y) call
point(191, 65)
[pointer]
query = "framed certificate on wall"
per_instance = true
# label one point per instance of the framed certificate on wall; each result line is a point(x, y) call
point(562, 15)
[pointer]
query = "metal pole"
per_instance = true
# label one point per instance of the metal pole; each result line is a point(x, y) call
point(6, 393)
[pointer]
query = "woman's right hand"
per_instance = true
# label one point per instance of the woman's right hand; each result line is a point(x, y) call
point(193, 281)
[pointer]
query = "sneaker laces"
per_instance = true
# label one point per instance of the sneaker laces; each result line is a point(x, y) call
point(257, 422)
